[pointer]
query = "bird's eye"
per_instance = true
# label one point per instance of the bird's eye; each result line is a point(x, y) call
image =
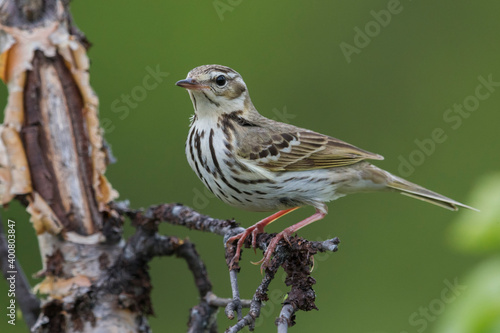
point(220, 80)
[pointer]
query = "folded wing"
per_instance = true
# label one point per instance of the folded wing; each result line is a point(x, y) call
point(298, 150)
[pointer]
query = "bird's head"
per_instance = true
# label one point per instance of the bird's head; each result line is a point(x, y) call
point(215, 90)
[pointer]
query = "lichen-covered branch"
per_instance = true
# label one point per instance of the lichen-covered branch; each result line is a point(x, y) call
point(296, 259)
point(285, 318)
point(129, 274)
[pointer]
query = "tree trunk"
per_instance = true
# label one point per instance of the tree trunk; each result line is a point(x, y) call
point(53, 160)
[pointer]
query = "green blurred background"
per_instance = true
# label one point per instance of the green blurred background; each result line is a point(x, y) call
point(395, 254)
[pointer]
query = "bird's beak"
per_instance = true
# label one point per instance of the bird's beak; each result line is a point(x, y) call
point(190, 84)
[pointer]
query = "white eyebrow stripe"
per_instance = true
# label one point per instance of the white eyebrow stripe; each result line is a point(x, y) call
point(230, 75)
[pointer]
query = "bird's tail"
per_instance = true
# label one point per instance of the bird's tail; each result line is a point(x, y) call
point(418, 192)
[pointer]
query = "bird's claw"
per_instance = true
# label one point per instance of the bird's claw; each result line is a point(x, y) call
point(271, 248)
point(253, 231)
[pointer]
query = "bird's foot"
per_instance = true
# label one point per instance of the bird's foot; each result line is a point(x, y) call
point(285, 234)
point(254, 231)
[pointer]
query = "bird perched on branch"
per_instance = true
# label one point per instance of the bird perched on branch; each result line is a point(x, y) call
point(258, 164)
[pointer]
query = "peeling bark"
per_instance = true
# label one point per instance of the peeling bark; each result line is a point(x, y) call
point(57, 145)
point(53, 159)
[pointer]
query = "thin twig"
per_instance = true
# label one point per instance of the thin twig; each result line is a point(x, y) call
point(204, 312)
point(284, 320)
point(178, 214)
point(220, 302)
point(235, 304)
point(259, 297)
point(28, 302)
point(254, 313)
point(188, 252)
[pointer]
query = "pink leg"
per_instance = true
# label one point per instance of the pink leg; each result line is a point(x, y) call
point(255, 230)
point(287, 233)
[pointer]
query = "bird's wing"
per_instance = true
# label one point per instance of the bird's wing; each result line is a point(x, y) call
point(298, 150)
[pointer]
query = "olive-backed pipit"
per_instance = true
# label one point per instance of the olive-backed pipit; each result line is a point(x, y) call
point(258, 164)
